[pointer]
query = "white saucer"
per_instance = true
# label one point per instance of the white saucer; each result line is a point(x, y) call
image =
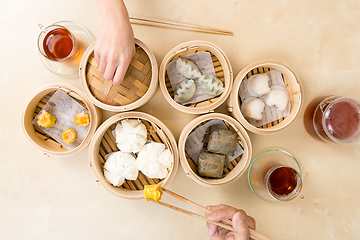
point(69, 69)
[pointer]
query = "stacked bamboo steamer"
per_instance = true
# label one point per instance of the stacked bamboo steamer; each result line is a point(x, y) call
point(223, 72)
point(137, 88)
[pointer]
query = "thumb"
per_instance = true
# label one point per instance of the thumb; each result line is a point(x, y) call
point(240, 227)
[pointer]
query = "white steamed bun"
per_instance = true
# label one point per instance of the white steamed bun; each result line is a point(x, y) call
point(131, 135)
point(154, 161)
point(120, 166)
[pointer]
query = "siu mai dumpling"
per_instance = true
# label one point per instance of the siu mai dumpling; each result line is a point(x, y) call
point(153, 192)
point(69, 136)
point(258, 85)
point(187, 68)
point(45, 119)
point(82, 119)
point(184, 91)
point(278, 97)
point(253, 108)
point(211, 84)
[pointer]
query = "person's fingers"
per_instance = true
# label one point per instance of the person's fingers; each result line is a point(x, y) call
point(241, 228)
point(222, 213)
point(97, 57)
point(120, 73)
point(250, 222)
point(109, 71)
point(102, 65)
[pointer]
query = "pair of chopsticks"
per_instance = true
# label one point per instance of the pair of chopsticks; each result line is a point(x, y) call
point(227, 224)
point(155, 22)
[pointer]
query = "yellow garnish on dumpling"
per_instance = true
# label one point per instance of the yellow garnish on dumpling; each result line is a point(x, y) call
point(69, 136)
point(153, 192)
point(45, 119)
point(82, 119)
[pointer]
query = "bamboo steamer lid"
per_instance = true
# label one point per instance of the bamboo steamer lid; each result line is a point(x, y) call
point(104, 143)
point(293, 86)
point(136, 89)
point(40, 139)
point(223, 72)
point(236, 168)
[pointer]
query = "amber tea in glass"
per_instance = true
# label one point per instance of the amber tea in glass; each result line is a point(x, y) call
point(283, 183)
point(57, 43)
point(275, 176)
point(337, 120)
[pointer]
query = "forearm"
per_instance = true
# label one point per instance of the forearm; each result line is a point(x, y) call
point(113, 10)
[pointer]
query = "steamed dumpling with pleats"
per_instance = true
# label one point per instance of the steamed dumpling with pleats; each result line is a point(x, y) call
point(211, 84)
point(184, 90)
point(278, 97)
point(187, 68)
point(258, 85)
point(253, 108)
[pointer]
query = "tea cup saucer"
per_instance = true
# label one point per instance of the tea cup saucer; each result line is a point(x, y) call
point(69, 69)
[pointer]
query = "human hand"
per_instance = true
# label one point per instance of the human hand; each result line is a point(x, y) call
point(240, 221)
point(115, 46)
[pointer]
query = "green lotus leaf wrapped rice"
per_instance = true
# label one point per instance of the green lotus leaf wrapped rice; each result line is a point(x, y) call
point(222, 141)
point(211, 165)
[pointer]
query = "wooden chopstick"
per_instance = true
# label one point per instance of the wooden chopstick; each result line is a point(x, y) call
point(194, 215)
point(253, 233)
point(176, 25)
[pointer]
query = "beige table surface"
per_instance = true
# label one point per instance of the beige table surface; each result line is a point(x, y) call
point(58, 198)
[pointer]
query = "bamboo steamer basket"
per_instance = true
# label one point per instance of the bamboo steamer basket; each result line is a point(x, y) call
point(40, 139)
point(136, 89)
point(223, 72)
point(104, 143)
point(293, 86)
point(236, 168)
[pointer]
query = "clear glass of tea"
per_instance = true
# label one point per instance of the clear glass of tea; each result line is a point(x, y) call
point(275, 176)
point(337, 120)
point(57, 43)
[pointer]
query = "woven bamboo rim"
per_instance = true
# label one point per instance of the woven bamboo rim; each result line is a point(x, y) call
point(222, 67)
point(137, 88)
point(293, 86)
point(40, 139)
point(236, 168)
point(104, 143)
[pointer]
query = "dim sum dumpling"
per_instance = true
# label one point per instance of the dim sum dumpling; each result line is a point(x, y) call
point(253, 108)
point(154, 160)
point(130, 135)
point(278, 97)
point(187, 68)
point(120, 166)
point(184, 90)
point(211, 84)
point(258, 85)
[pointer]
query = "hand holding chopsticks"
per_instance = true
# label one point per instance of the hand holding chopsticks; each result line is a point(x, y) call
point(227, 224)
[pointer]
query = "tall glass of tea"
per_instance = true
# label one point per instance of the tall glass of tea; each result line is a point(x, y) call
point(337, 120)
point(57, 43)
point(275, 176)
